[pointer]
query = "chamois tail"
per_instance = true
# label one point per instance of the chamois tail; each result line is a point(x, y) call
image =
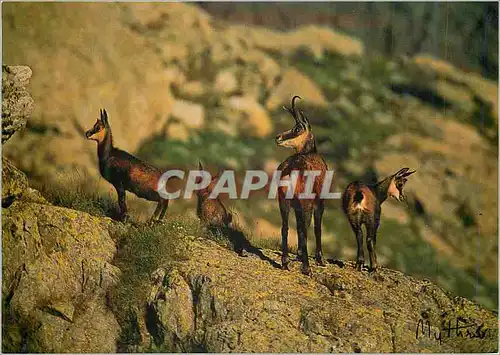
point(358, 197)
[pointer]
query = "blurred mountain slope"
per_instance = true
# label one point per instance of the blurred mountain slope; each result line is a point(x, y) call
point(463, 33)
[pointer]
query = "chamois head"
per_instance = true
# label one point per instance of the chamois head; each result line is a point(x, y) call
point(207, 190)
point(299, 137)
point(398, 181)
point(101, 127)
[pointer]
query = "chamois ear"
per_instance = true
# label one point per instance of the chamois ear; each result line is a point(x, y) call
point(104, 117)
point(305, 120)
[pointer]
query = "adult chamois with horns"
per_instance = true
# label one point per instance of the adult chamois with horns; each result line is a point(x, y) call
point(124, 171)
point(362, 206)
point(306, 158)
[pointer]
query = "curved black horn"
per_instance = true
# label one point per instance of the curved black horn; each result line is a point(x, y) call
point(408, 174)
point(401, 172)
point(293, 102)
point(293, 110)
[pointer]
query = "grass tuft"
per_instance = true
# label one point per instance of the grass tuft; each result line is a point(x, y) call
point(80, 192)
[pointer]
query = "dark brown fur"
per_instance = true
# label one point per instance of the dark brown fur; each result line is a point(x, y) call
point(212, 212)
point(124, 171)
point(306, 158)
point(362, 206)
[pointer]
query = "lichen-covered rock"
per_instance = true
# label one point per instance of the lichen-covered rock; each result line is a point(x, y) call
point(14, 182)
point(247, 305)
point(17, 103)
point(56, 270)
point(170, 306)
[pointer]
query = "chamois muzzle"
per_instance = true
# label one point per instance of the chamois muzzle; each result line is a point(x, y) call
point(279, 139)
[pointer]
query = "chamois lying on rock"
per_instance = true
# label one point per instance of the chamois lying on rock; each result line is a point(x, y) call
point(216, 218)
point(362, 205)
point(124, 171)
point(212, 212)
point(306, 158)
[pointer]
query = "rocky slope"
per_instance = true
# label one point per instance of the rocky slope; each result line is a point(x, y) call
point(470, 30)
point(73, 282)
point(66, 287)
point(181, 86)
point(60, 278)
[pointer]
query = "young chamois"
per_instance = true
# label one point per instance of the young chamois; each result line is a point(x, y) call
point(306, 158)
point(124, 171)
point(212, 212)
point(217, 219)
point(362, 205)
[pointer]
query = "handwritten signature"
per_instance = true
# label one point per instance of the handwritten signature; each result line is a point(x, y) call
point(460, 329)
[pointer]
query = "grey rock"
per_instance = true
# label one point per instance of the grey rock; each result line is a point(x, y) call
point(17, 103)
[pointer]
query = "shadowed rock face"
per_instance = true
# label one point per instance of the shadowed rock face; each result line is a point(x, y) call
point(14, 183)
point(17, 103)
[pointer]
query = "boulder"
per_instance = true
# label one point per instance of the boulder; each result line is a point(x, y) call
point(295, 83)
point(170, 306)
point(14, 183)
point(56, 272)
point(189, 113)
point(17, 103)
point(225, 82)
point(460, 86)
point(256, 122)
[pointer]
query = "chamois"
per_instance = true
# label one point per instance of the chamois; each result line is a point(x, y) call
point(216, 218)
point(212, 212)
point(362, 205)
point(306, 158)
point(124, 171)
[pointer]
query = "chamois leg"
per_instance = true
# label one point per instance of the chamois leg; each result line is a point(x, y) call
point(164, 204)
point(360, 259)
point(299, 250)
point(155, 213)
point(371, 242)
point(318, 216)
point(285, 211)
point(122, 204)
point(303, 219)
